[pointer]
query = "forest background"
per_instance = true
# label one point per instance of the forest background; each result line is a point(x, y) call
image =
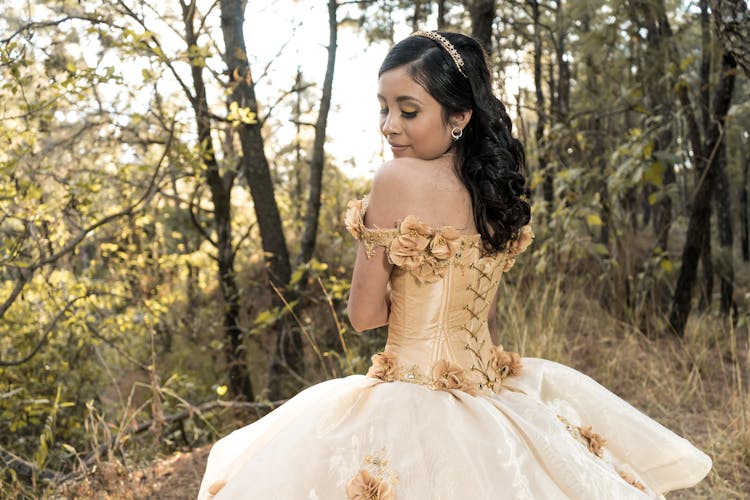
point(173, 262)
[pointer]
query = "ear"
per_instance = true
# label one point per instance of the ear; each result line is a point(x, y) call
point(460, 119)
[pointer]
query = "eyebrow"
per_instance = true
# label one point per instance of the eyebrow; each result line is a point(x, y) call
point(403, 98)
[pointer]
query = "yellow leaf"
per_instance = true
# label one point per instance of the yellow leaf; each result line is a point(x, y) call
point(653, 198)
point(221, 390)
point(648, 149)
point(666, 266)
point(594, 220)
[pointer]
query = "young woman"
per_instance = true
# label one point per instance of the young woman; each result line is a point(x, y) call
point(443, 413)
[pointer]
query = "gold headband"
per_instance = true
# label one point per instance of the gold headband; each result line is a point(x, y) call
point(449, 48)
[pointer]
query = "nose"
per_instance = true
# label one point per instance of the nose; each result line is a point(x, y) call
point(389, 124)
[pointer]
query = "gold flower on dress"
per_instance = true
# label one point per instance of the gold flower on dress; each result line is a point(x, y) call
point(353, 218)
point(445, 243)
point(430, 270)
point(522, 241)
point(383, 366)
point(447, 375)
point(508, 264)
point(595, 441)
point(632, 481)
point(365, 486)
point(216, 487)
point(504, 363)
point(407, 249)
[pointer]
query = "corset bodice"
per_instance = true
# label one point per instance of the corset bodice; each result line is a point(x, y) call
point(442, 286)
point(445, 319)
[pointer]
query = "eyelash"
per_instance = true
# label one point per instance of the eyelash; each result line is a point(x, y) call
point(406, 114)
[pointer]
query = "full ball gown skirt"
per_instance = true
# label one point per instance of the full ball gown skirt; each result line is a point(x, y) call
point(444, 414)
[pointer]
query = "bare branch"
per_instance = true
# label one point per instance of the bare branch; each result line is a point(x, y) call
point(48, 329)
point(194, 219)
point(282, 97)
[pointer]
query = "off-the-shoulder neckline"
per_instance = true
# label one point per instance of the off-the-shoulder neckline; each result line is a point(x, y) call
point(468, 236)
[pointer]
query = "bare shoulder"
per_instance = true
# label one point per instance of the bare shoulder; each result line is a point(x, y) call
point(427, 189)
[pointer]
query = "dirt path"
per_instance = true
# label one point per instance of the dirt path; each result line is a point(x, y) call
point(178, 476)
point(174, 478)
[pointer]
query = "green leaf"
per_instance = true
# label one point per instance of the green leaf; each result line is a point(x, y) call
point(601, 249)
point(654, 174)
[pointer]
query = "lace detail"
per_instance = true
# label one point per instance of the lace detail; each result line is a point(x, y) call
point(374, 481)
point(632, 481)
point(584, 435)
point(446, 375)
point(370, 237)
point(420, 249)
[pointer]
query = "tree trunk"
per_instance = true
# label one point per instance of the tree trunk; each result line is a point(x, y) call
point(220, 186)
point(706, 287)
point(414, 20)
point(482, 13)
point(745, 212)
point(287, 356)
point(699, 216)
point(254, 162)
point(563, 68)
point(732, 20)
point(705, 70)
point(312, 214)
point(726, 235)
point(441, 14)
point(658, 55)
point(548, 186)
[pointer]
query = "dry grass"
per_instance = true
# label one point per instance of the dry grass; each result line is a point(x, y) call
point(697, 386)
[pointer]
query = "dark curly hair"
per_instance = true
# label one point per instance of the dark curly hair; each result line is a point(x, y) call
point(490, 161)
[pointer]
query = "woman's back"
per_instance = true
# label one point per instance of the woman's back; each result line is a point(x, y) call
point(427, 189)
point(443, 283)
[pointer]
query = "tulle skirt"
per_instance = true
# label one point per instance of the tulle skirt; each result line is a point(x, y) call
point(553, 433)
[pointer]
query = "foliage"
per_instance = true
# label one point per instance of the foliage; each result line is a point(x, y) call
point(111, 304)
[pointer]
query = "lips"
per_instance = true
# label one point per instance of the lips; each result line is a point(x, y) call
point(397, 147)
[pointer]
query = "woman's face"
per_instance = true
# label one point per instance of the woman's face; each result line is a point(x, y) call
point(410, 118)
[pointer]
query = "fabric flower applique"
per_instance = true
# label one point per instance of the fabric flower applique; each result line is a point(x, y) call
point(353, 217)
point(504, 363)
point(365, 486)
point(447, 375)
point(594, 440)
point(384, 367)
point(445, 244)
point(632, 481)
point(407, 250)
point(518, 245)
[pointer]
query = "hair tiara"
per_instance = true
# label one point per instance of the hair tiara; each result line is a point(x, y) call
point(449, 48)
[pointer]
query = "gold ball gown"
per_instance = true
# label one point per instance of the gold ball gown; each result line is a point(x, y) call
point(443, 414)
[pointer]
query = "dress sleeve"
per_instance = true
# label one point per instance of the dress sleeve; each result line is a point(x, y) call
point(518, 245)
point(370, 237)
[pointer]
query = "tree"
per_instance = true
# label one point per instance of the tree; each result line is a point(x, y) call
point(312, 214)
point(732, 22)
point(706, 158)
point(254, 163)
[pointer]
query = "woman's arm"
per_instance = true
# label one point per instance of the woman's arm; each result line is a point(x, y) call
point(391, 198)
point(369, 297)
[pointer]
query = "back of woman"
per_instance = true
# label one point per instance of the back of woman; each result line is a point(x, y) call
point(444, 412)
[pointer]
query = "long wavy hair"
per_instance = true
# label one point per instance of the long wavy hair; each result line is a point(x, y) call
point(489, 160)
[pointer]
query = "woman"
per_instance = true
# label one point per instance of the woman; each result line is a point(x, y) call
point(443, 413)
